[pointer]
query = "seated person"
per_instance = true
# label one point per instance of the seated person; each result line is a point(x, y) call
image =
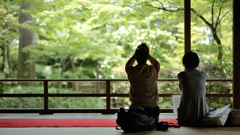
point(143, 81)
point(193, 99)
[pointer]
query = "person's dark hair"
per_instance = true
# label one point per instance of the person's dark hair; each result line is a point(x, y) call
point(142, 54)
point(190, 60)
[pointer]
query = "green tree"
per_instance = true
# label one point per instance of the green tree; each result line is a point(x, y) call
point(142, 23)
point(9, 11)
point(75, 31)
point(8, 32)
point(211, 14)
point(26, 66)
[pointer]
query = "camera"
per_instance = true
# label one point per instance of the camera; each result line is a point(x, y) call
point(163, 125)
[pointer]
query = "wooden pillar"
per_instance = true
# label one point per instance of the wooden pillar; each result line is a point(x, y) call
point(236, 55)
point(187, 26)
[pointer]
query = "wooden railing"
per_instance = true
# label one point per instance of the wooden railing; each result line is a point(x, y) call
point(108, 95)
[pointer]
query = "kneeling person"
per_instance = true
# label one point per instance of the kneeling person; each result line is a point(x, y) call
point(143, 81)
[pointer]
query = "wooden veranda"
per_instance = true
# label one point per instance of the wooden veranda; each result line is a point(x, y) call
point(235, 80)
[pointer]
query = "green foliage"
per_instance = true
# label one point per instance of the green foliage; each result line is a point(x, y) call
point(108, 32)
point(95, 38)
point(8, 33)
point(217, 71)
point(75, 29)
point(54, 102)
point(8, 21)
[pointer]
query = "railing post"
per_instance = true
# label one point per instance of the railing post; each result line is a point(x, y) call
point(46, 107)
point(108, 94)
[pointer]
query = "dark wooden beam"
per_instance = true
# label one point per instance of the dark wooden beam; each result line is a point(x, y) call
point(170, 95)
point(236, 55)
point(100, 95)
point(81, 110)
point(97, 80)
point(187, 26)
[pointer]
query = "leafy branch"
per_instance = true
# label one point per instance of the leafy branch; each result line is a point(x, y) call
point(211, 25)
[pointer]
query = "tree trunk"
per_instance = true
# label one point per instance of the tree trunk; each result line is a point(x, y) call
point(3, 59)
point(2, 68)
point(219, 43)
point(8, 58)
point(27, 38)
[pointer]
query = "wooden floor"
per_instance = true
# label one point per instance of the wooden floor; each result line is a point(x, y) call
point(105, 130)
